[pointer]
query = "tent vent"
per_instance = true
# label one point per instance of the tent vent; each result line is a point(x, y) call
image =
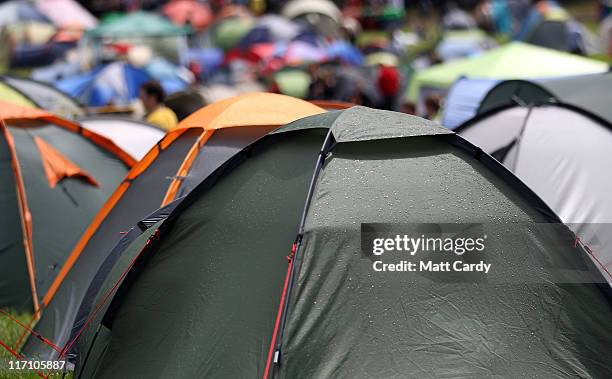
point(58, 167)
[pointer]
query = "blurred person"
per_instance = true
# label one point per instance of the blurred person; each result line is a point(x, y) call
point(152, 96)
point(408, 107)
point(389, 82)
point(433, 104)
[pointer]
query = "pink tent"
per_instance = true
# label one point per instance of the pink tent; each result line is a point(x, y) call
point(67, 14)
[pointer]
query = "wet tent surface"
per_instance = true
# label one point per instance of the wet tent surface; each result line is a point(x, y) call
point(13, 269)
point(417, 326)
point(88, 334)
point(143, 196)
point(344, 320)
point(224, 277)
point(219, 148)
point(61, 214)
point(573, 149)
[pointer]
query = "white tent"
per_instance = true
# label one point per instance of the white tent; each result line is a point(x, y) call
point(133, 136)
point(564, 155)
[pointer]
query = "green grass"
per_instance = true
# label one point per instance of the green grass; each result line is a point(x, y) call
point(10, 332)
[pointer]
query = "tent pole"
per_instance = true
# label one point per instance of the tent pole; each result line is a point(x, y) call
point(276, 343)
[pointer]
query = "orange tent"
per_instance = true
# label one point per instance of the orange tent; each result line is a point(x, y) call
point(184, 157)
point(57, 177)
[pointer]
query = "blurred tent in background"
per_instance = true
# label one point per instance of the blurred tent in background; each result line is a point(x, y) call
point(11, 95)
point(515, 60)
point(228, 32)
point(549, 25)
point(458, 19)
point(463, 98)
point(457, 44)
point(18, 12)
point(345, 52)
point(184, 103)
point(30, 34)
point(188, 12)
point(183, 158)
point(469, 97)
point(67, 14)
point(163, 37)
point(323, 16)
point(270, 29)
point(605, 35)
point(116, 83)
point(134, 137)
point(67, 174)
point(43, 96)
point(292, 82)
point(562, 152)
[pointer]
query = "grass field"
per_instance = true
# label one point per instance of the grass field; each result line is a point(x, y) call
point(10, 332)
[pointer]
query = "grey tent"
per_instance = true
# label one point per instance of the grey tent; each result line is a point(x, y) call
point(133, 136)
point(45, 96)
point(258, 271)
point(563, 153)
point(590, 92)
point(184, 103)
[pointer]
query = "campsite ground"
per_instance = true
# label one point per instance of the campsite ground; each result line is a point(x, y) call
point(10, 333)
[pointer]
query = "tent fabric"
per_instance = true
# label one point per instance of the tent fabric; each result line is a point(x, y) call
point(134, 137)
point(19, 11)
point(463, 100)
point(188, 12)
point(515, 60)
point(297, 8)
point(11, 95)
point(15, 285)
point(9, 111)
point(117, 83)
point(232, 286)
point(589, 92)
point(44, 96)
point(270, 109)
point(143, 189)
point(178, 163)
point(457, 44)
point(57, 167)
point(568, 145)
point(67, 14)
point(50, 157)
point(137, 24)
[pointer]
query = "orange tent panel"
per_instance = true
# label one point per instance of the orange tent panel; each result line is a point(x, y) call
point(57, 166)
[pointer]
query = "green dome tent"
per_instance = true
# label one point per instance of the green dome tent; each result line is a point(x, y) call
point(515, 60)
point(258, 271)
point(143, 28)
point(136, 24)
point(590, 92)
point(55, 177)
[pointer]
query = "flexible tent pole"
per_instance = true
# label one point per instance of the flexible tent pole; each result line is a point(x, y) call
point(26, 217)
point(274, 354)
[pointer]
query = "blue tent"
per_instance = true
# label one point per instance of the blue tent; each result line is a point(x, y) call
point(116, 83)
point(209, 59)
point(346, 52)
point(463, 100)
point(168, 75)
